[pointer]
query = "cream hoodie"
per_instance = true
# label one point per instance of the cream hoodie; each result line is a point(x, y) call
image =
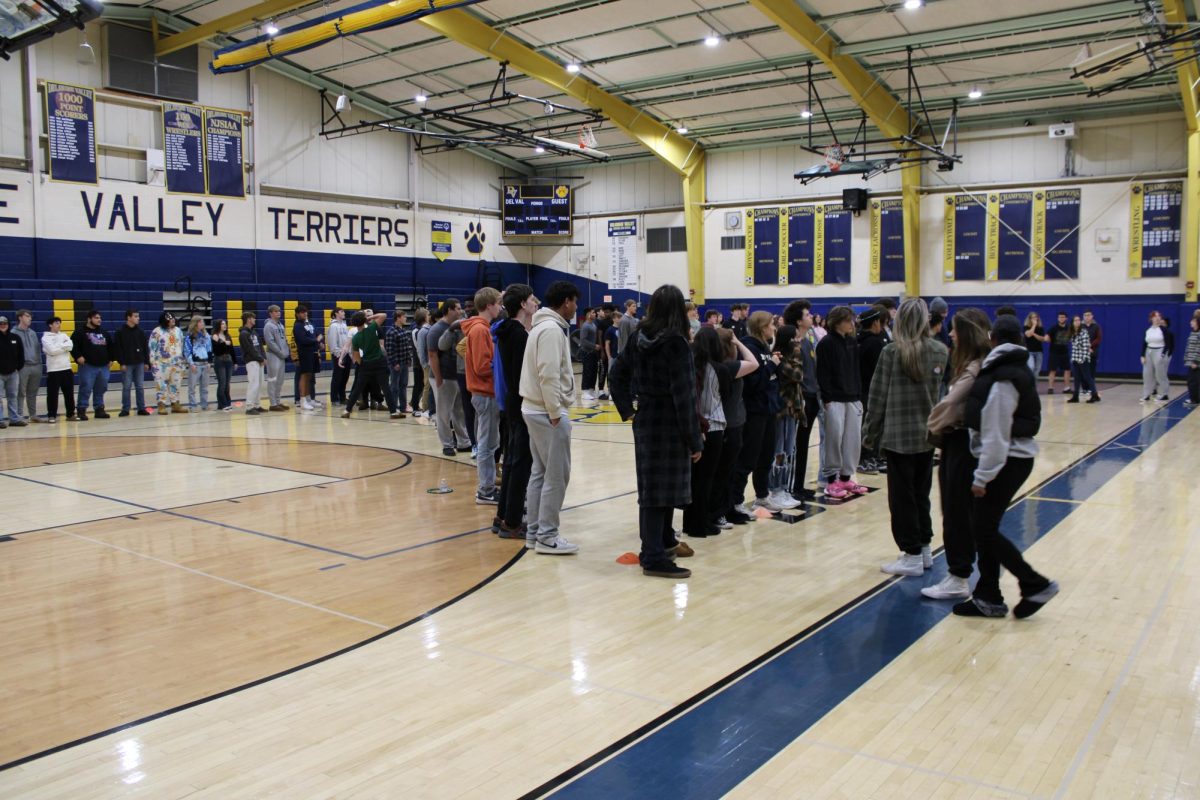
point(547, 379)
point(57, 347)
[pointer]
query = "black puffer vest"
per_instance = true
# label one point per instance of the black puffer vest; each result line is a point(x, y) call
point(1012, 367)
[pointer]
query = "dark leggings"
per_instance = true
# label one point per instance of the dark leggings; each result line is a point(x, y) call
point(518, 462)
point(719, 497)
point(995, 550)
point(956, 472)
point(654, 524)
point(696, 516)
point(758, 451)
point(812, 407)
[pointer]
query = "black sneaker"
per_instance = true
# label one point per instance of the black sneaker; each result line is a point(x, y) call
point(466, 449)
point(448, 451)
point(486, 498)
point(665, 569)
point(738, 518)
point(805, 495)
point(102, 414)
point(1094, 398)
point(82, 417)
point(123, 414)
point(868, 467)
point(141, 412)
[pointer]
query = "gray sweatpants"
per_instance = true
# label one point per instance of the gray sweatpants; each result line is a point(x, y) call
point(451, 423)
point(31, 378)
point(276, 371)
point(487, 438)
point(253, 384)
point(550, 446)
point(1154, 374)
point(842, 441)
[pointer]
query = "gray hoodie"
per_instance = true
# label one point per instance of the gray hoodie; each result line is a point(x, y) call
point(275, 338)
point(993, 443)
point(547, 378)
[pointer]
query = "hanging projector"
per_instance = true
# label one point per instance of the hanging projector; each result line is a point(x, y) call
point(342, 104)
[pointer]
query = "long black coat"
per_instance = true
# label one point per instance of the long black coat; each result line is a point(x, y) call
point(660, 374)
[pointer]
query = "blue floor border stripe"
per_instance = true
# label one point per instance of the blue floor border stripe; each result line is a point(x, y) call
point(712, 743)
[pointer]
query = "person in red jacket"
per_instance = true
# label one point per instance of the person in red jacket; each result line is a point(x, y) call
point(481, 385)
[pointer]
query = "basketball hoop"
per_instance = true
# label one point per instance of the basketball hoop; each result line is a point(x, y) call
point(834, 157)
point(587, 138)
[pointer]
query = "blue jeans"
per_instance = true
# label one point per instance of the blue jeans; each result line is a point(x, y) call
point(487, 434)
point(11, 381)
point(224, 370)
point(92, 381)
point(133, 375)
point(1035, 362)
point(398, 381)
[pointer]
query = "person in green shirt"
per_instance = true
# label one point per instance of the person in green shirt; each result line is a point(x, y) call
point(372, 364)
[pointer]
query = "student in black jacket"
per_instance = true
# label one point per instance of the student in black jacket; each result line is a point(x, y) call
point(511, 335)
point(871, 342)
point(92, 347)
point(760, 394)
point(12, 358)
point(131, 348)
point(840, 377)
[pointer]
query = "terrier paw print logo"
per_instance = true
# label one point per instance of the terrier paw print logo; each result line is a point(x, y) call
point(475, 238)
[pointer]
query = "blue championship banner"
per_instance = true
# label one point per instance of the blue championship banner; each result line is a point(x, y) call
point(838, 224)
point(887, 240)
point(183, 147)
point(71, 133)
point(800, 244)
point(441, 240)
point(1056, 234)
point(764, 247)
point(964, 238)
point(223, 170)
point(1016, 230)
point(1155, 216)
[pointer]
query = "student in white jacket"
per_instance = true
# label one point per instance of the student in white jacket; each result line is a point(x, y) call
point(57, 347)
point(547, 391)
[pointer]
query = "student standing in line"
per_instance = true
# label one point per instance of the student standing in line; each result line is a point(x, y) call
point(721, 506)
point(871, 341)
point(604, 321)
point(628, 324)
point(275, 340)
point(31, 371)
point(57, 347)
point(512, 334)
point(1081, 362)
point(132, 348)
point(547, 391)
point(971, 333)
point(420, 316)
point(1096, 333)
point(428, 406)
point(760, 393)
point(655, 368)
point(1035, 337)
point(443, 368)
point(398, 344)
point(612, 342)
point(167, 363)
point(904, 391)
point(1059, 337)
point(12, 358)
point(790, 380)
point(339, 342)
point(840, 379)
point(589, 353)
point(799, 314)
point(197, 353)
point(481, 380)
point(1003, 413)
point(367, 352)
point(223, 363)
point(1191, 361)
point(308, 361)
point(453, 340)
point(92, 347)
point(1158, 343)
point(255, 360)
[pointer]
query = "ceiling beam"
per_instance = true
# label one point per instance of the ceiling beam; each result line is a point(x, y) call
point(1187, 74)
point(882, 107)
point(227, 24)
point(1030, 23)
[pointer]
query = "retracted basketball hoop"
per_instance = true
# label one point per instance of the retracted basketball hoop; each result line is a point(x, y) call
point(835, 156)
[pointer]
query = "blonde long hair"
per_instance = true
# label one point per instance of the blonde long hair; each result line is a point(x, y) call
point(912, 329)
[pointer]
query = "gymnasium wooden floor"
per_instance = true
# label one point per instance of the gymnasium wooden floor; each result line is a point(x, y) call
point(220, 606)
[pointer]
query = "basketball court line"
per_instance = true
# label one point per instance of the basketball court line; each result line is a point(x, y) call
point(643, 763)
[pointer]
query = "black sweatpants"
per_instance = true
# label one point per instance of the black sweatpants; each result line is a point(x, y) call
point(654, 524)
point(956, 472)
point(337, 384)
point(518, 462)
point(720, 503)
point(909, 481)
point(468, 407)
point(590, 363)
point(995, 550)
point(812, 407)
point(696, 516)
point(1193, 376)
point(418, 387)
point(60, 381)
point(758, 452)
point(371, 375)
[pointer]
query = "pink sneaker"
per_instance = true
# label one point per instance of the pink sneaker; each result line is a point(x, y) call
point(836, 490)
point(855, 488)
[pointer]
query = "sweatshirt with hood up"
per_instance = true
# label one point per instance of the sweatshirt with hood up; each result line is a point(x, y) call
point(547, 379)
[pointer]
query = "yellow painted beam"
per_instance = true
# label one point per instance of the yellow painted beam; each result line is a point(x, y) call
point(1191, 220)
point(910, 178)
point(230, 22)
point(1188, 73)
point(682, 154)
point(883, 108)
point(693, 216)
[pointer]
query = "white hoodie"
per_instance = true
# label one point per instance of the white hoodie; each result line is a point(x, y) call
point(547, 379)
point(57, 347)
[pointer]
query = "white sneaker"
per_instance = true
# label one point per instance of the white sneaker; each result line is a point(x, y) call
point(723, 524)
point(306, 405)
point(766, 502)
point(927, 556)
point(558, 547)
point(905, 565)
point(783, 499)
point(742, 508)
point(316, 403)
point(588, 397)
point(951, 587)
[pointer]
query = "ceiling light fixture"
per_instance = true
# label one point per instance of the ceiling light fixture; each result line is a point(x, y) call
point(805, 113)
point(573, 68)
point(270, 29)
point(712, 40)
point(913, 5)
point(681, 128)
point(539, 149)
point(421, 97)
point(975, 93)
point(86, 54)
point(342, 103)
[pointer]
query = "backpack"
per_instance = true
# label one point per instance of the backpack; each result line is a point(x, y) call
point(500, 384)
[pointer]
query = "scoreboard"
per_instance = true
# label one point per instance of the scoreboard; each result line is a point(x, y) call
point(537, 210)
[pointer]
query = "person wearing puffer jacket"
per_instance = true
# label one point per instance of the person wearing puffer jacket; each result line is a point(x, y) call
point(547, 391)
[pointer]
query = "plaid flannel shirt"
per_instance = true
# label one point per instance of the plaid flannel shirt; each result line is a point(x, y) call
point(398, 344)
point(898, 408)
